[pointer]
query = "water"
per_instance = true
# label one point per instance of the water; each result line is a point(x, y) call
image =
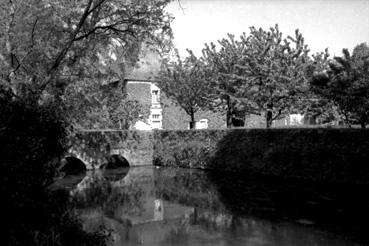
point(163, 206)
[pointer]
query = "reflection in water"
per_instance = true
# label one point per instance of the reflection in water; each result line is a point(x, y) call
point(149, 206)
point(158, 210)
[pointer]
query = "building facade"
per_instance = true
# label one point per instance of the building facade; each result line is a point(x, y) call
point(148, 94)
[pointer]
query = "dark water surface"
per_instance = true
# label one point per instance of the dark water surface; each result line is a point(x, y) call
point(164, 206)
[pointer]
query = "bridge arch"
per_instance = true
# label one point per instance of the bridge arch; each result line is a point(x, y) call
point(97, 159)
point(72, 165)
point(115, 161)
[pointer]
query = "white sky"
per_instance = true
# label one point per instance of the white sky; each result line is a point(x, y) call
point(335, 24)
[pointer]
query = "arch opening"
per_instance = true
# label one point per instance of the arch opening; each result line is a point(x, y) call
point(115, 161)
point(71, 165)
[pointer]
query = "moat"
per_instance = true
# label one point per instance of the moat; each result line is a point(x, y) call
point(166, 206)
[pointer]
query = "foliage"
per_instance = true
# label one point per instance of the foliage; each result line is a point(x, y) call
point(47, 45)
point(93, 105)
point(320, 111)
point(219, 63)
point(345, 82)
point(32, 140)
point(271, 73)
point(187, 149)
point(185, 82)
point(317, 108)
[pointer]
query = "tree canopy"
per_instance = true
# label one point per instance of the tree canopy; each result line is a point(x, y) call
point(92, 105)
point(45, 45)
point(345, 82)
point(263, 72)
point(220, 63)
point(68, 51)
point(185, 81)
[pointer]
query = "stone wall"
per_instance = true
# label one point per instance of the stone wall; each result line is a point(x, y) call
point(334, 155)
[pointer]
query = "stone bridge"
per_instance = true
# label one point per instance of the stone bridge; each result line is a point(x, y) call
point(94, 148)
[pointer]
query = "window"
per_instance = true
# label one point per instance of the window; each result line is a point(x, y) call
point(155, 96)
point(156, 116)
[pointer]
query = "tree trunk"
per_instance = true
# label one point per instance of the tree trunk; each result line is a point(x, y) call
point(229, 113)
point(192, 122)
point(268, 118)
point(195, 215)
point(363, 120)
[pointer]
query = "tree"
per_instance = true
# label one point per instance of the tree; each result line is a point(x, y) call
point(345, 82)
point(94, 105)
point(46, 45)
point(184, 81)
point(219, 63)
point(272, 74)
point(319, 109)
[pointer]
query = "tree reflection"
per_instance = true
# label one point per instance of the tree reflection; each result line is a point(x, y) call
point(187, 187)
point(341, 209)
point(96, 191)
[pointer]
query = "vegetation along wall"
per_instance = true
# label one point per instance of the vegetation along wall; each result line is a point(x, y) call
point(335, 155)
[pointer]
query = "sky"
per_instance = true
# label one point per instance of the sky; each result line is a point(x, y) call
point(332, 24)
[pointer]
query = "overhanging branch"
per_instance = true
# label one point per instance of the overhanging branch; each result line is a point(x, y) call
point(64, 51)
